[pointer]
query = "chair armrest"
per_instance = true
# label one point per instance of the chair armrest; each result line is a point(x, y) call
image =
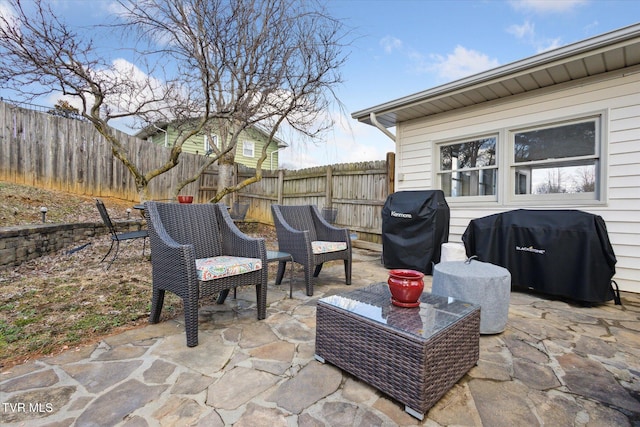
point(295, 242)
point(168, 256)
point(169, 259)
point(235, 242)
point(328, 232)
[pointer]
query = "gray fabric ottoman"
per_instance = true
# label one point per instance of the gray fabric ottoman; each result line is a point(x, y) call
point(484, 284)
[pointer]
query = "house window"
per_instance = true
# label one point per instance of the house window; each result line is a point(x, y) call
point(209, 143)
point(469, 168)
point(248, 149)
point(556, 161)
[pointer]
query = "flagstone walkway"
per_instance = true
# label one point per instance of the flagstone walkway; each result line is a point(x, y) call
point(557, 363)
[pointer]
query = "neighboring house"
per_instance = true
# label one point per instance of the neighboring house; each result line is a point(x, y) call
point(559, 130)
point(248, 150)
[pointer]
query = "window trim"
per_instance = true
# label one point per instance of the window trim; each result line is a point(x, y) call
point(564, 199)
point(249, 145)
point(505, 190)
point(207, 145)
point(438, 172)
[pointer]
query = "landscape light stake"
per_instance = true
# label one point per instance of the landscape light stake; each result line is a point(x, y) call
point(44, 210)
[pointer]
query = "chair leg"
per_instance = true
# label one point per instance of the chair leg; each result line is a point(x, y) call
point(261, 299)
point(115, 255)
point(282, 265)
point(316, 273)
point(307, 280)
point(222, 296)
point(291, 281)
point(191, 321)
point(157, 301)
point(108, 252)
point(347, 271)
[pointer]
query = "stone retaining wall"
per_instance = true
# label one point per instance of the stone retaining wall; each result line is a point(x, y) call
point(22, 243)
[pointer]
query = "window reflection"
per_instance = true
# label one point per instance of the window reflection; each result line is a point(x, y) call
point(560, 142)
point(556, 160)
point(566, 179)
point(469, 168)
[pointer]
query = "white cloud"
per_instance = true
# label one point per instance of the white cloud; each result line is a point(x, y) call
point(349, 142)
point(128, 88)
point(114, 8)
point(591, 28)
point(132, 87)
point(547, 45)
point(8, 14)
point(390, 43)
point(462, 63)
point(546, 6)
point(526, 30)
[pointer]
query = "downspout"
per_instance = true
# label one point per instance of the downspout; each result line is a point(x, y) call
point(376, 123)
point(166, 134)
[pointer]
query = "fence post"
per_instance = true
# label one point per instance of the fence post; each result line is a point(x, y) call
point(391, 173)
point(328, 202)
point(280, 186)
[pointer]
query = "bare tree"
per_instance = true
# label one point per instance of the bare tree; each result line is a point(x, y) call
point(66, 110)
point(40, 54)
point(225, 66)
point(584, 180)
point(554, 183)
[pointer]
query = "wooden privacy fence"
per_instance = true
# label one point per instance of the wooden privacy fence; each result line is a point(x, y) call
point(357, 191)
point(49, 151)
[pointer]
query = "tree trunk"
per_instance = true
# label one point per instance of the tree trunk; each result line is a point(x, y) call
point(225, 178)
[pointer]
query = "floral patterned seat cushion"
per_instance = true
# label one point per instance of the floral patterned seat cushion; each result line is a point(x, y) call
point(225, 266)
point(322, 247)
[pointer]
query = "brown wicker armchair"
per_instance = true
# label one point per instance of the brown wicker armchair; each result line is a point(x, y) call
point(311, 240)
point(196, 251)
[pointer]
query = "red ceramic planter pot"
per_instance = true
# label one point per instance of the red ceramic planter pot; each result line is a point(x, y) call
point(185, 199)
point(406, 286)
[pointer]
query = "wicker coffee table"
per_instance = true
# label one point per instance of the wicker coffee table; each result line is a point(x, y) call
point(414, 355)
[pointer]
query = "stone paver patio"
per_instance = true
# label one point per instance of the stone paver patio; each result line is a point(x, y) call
point(557, 363)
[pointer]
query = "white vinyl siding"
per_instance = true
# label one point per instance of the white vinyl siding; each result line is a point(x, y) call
point(613, 98)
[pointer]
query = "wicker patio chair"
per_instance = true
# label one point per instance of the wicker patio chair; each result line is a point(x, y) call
point(117, 237)
point(311, 240)
point(196, 251)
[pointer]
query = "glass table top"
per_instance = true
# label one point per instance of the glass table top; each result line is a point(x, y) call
point(373, 303)
point(278, 256)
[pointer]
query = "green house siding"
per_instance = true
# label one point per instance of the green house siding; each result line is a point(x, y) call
point(196, 145)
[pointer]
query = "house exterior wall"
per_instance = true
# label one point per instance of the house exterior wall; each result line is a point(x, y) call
point(195, 145)
point(615, 97)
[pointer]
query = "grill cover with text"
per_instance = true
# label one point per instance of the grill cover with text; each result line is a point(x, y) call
point(414, 226)
point(558, 252)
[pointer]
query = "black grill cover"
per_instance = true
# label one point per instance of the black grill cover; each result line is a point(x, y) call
point(558, 252)
point(414, 226)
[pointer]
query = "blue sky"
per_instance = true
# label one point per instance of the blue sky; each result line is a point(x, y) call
point(409, 46)
point(406, 46)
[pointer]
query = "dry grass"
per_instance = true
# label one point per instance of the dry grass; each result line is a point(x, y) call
point(59, 301)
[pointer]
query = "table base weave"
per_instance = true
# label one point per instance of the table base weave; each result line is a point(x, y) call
point(415, 372)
